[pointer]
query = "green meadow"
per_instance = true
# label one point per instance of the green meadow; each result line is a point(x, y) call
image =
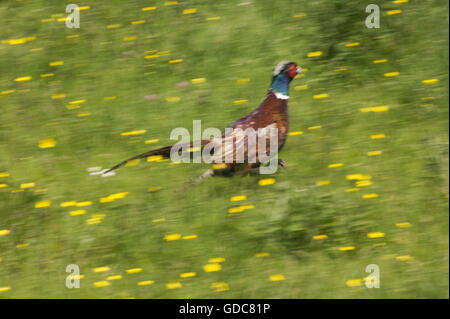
point(368, 155)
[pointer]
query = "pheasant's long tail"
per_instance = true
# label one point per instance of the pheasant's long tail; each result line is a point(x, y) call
point(163, 151)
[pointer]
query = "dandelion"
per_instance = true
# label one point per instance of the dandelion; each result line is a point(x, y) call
point(154, 189)
point(377, 136)
point(172, 237)
point(101, 269)
point(212, 267)
point(154, 158)
point(295, 133)
point(100, 284)
point(379, 61)
point(130, 38)
point(320, 237)
point(404, 258)
point(4, 232)
point(391, 74)
point(353, 282)
point(312, 128)
point(188, 237)
point(320, 96)
point(23, 79)
point(216, 260)
point(149, 8)
point(22, 245)
point(173, 285)
point(188, 274)
point(137, 22)
point(47, 143)
point(198, 81)
point(56, 63)
point(27, 185)
point(219, 166)
point(175, 61)
point(374, 153)
point(189, 11)
point(263, 254)
point(314, 54)
point(5, 288)
point(368, 196)
point(133, 270)
point(77, 212)
point(300, 15)
point(430, 81)
point(237, 102)
point(133, 133)
point(4, 174)
point(238, 198)
point(173, 99)
point(266, 181)
point(403, 225)
point(363, 183)
point(115, 277)
point(353, 44)
point(392, 12)
point(301, 87)
point(347, 248)
point(42, 204)
point(375, 235)
point(322, 183)
point(335, 165)
point(83, 204)
point(146, 283)
point(278, 277)
point(243, 81)
point(113, 26)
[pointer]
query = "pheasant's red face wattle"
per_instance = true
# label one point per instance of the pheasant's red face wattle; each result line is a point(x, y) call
point(292, 70)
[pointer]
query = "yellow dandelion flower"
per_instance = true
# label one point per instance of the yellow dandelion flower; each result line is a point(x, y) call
point(58, 96)
point(137, 22)
point(4, 174)
point(278, 277)
point(43, 203)
point(391, 74)
point(22, 245)
point(170, 3)
point(133, 270)
point(130, 38)
point(335, 165)
point(263, 254)
point(188, 237)
point(220, 286)
point(109, 98)
point(216, 260)
point(238, 198)
point(27, 185)
point(301, 87)
point(314, 54)
point(93, 221)
point(173, 99)
point(219, 166)
point(188, 274)
point(404, 258)
point(56, 63)
point(154, 158)
point(146, 283)
point(83, 204)
point(374, 153)
point(154, 188)
point(101, 269)
point(392, 12)
point(212, 267)
point(189, 11)
point(320, 237)
point(300, 15)
point(377, 136)
point(347, 248)
point(100, 284)
point(4, 232)
point(353, 282)
point(47, 143)
point(372, 195)
point(363, 183)
point(198, 81)
point(77, 212)
point(174, 285)
point(172, 237)
point(213, 18)
point(175, 61)
point(312, 128)
point(149, 8)
point(113, 26)
point(375, 235)
point(320, 96)
point(295, 133)
point(352, 44)
point(243, 81)
point(115, 277)
point(322, 183)
point(379, 61)
point(430, 81)
point(3, 185)
point(237, 102)
point(5, 288)
point(266, 181)
point(403, 225)
point(23, 79)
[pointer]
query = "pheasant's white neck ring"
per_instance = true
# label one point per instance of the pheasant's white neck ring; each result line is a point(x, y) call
point(281, 96)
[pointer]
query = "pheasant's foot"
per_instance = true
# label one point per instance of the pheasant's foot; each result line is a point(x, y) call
point(282, 163)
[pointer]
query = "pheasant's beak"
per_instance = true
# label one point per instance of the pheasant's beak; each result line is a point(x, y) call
point(299, 70)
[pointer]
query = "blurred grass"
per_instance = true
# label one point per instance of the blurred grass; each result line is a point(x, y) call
point(410, 177)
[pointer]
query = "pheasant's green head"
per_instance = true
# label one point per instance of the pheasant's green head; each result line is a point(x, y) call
point(282, 76)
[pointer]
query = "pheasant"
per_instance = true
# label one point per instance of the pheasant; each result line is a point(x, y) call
point(272, 112)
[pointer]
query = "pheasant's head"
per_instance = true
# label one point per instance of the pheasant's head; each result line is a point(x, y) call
point(283, 74)
point(290, 69)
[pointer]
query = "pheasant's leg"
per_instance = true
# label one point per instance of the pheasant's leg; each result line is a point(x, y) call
point(196, 181)
point(282, 163)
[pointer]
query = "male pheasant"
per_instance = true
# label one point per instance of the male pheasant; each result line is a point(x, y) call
point(272, 112)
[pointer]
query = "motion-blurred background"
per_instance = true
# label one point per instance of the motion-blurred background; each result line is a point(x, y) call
point(368, 174)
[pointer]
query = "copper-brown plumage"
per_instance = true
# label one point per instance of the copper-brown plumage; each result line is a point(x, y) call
point(273, 112)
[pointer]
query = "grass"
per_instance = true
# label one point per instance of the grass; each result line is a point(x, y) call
point(107, 68)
